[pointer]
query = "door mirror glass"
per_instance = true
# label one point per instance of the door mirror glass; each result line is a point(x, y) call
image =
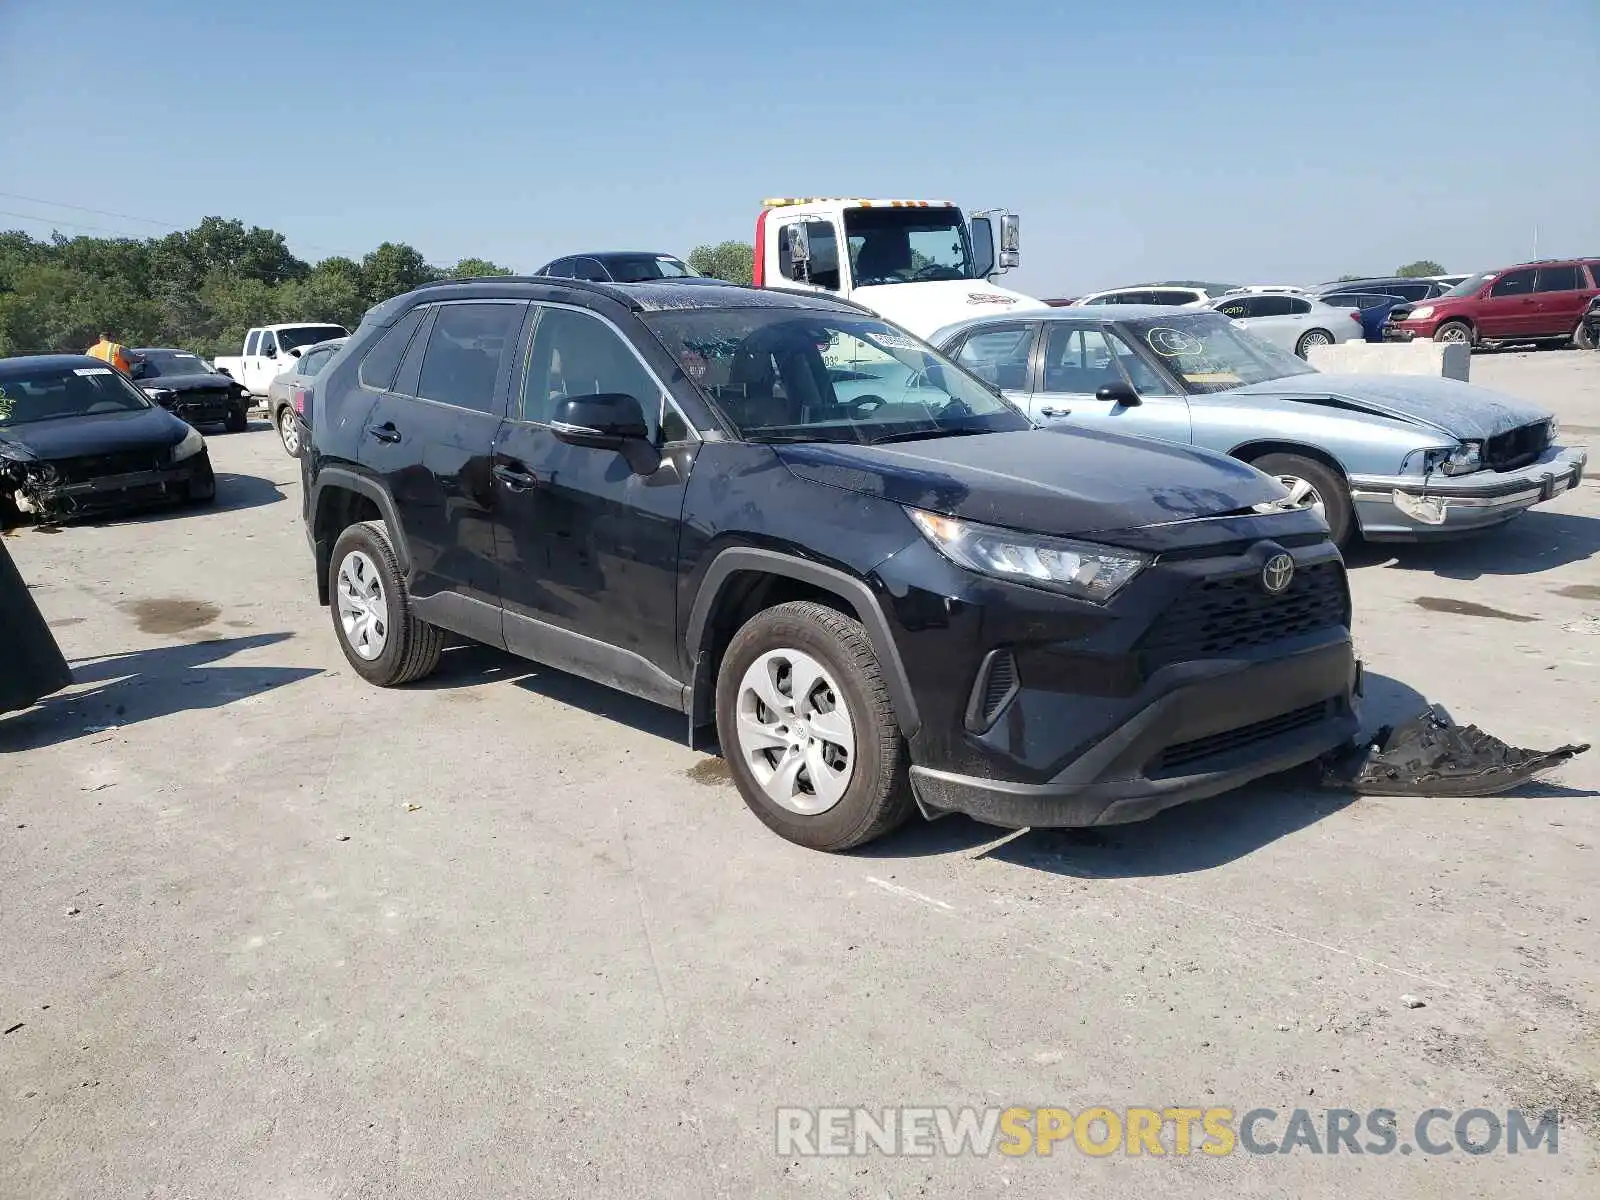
point(799, 248)
point(982, 247)
point(608, 421)
point(1010, 241)
point(1118, 392)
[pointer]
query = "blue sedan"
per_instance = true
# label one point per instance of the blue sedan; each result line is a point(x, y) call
point(1380, 456)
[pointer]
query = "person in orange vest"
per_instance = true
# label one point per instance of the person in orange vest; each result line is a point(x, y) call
point(115, 353)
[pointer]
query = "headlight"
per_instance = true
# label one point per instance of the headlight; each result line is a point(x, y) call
point(1421, 313)
point(1088, 572)
point(191, 445)
point(157, 393)
point(1555, 431)
point(1462, 459)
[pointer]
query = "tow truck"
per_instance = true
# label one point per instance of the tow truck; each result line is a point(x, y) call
point(920, 263)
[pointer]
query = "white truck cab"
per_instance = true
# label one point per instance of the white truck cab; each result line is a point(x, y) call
point(269, 350)
point(920, 263)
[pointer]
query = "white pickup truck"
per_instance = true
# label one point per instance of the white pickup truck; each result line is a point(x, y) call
point(270, 350)
point(921, 263)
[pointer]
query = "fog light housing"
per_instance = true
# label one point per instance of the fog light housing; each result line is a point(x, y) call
point(1427, 509)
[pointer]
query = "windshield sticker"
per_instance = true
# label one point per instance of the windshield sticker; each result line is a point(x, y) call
point(1171, 343)
point(989, 298)
point(891, 341)
point(1211, 377)
point(92, 371)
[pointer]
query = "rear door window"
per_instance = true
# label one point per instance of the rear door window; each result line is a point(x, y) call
point(464, 351)
point(1513, 283)
point(1558, 279)
point(1297, 307)
point(1000, 355)
point(1171, 296)
point(381, 362)
point(313, 362)
point(590, 269)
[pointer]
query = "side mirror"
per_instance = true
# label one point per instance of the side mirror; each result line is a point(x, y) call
point(982, 247)
point(800, 249)
point(1010, 241)
point(270, 352)
point(294, 352)
point(1119, 393)
point(608, 421)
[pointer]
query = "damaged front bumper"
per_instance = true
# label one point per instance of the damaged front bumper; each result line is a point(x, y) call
point(39, 490)
point(1410, 508)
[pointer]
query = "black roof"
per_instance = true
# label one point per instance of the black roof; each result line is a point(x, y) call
point(22, 364)
point(657, 295)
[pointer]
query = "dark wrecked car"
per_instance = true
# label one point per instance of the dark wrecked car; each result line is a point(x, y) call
point(884, 585)
point(78, 439)
point(187, 386)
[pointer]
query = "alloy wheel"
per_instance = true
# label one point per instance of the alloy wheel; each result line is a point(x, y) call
point(1451, 333)
point(363, 607)
point(289, 431)
point(795, 731)
point(1315, 338)
point(1302, 495)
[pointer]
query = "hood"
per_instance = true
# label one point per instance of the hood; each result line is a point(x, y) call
point(98, 433)
point(1063, 482)
point(186, 383)
point(924, 307)
point(1462, 410)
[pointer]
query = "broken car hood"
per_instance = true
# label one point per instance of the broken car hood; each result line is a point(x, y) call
point(188, 383)
point(1061, 482)
point(97, 433)
point(1462, 410)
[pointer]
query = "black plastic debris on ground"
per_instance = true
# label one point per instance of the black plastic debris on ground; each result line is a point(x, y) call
point(1430, 755)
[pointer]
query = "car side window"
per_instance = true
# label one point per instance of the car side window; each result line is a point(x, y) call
point(1172, 297)
point(560, 269)
point(1558, 279)
point(269, 342)
point(590, 269)
point(1513, 283)
point(1145, 379)
point(381, 362)
point(1297, 307)
point(999, 356)
point(1240, 307)
point(252, 344)
point(1078, 361)
point(462, 360)
point(311, 364)
point(824, 268)
point(575, 354)
point(1272, 306)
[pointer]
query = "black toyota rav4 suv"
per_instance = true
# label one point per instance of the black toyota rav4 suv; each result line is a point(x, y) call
point(775, 512)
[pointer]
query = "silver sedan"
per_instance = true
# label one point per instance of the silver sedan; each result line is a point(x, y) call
point(1292, 323)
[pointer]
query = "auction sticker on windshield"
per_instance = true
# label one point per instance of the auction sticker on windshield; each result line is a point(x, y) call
point(1170, 343)
point(91, 370)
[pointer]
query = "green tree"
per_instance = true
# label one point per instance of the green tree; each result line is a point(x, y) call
point(393, 268)
point(732, 261)
point(477, 268)
point(1419, 269)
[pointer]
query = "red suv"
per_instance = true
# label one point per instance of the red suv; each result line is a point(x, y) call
point(1525, 303)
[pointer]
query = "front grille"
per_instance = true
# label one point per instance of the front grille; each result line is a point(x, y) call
point(1181, 754)
point(1509, 451)
point(96, 466)
point(1218, 617)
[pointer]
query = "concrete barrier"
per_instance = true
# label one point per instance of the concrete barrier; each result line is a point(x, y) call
point(1422, 356)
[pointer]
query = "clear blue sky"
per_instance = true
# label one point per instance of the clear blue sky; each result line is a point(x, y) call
point(1147, 138)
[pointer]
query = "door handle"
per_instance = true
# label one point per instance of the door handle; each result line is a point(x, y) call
point(1048, 411)
point(385, 432)
point(516, 480)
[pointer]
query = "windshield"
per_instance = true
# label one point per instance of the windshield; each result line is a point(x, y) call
point(309, 335)
point(1470, 285)
point(172, 362)
point(46, 393)
point(803, 375)
point(907, 245)
point(1209, 353)
point(640, 268)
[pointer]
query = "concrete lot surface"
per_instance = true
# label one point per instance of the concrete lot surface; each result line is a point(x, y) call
point(266, 931)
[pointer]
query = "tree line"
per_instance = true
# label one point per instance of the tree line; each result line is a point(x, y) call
point(199, 289)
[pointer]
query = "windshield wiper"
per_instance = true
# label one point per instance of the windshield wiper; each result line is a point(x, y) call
point(913, 435)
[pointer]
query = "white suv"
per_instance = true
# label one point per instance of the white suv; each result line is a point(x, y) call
point(1184, 293)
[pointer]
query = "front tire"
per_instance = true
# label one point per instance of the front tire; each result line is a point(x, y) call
point(1582, 337)
point(1454, 331)
point(1310, 338)
point(381, 638)
point(808, 731)
point(1314, 485)
point(238, 419)
point(203, 484)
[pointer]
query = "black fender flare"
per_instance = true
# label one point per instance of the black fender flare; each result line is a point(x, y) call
point(362, 485)
point(849, 588)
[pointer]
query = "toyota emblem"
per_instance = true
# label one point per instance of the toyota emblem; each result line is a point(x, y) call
point(1277, 574)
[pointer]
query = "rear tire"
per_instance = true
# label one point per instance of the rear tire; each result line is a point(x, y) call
point(1310, 338)
point(288, 424)
point(1328, 489)
point(382, 639)
point(847, 693)
point(1454, 331)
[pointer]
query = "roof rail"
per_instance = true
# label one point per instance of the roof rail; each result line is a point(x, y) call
point(610, 291)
